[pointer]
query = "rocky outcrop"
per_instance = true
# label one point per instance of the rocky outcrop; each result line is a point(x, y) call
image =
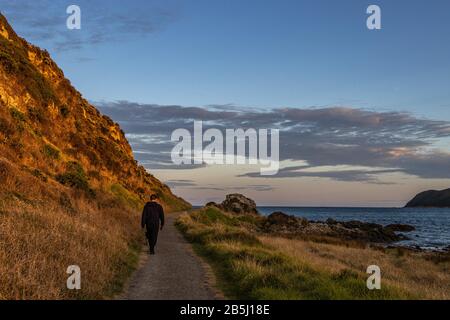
point(364, 231)
point(431, 198)
point(398, 227)
point(280, 223)
point(236, 203)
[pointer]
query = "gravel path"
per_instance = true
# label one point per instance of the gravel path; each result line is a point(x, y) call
point(174, 273)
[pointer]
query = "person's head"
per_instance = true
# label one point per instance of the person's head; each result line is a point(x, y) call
point(153, 197)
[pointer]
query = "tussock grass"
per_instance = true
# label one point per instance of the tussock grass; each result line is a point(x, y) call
point(254, 266)
point(410, 272)
point(46, 227)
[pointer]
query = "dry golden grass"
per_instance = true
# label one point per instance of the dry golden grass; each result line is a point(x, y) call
point(407, 271)
point(254, 265)
point(70, 188)
point(46, 227)
point(247, 268)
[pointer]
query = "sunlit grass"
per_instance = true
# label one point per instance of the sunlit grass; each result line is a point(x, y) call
point(253, 266)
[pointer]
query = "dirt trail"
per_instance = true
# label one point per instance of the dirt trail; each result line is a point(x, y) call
point(174, 273)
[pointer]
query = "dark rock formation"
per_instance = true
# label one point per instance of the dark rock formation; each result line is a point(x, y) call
point(431, 198)
point(398, 227)
point(331, 221)
point(239, 204)
point(371, 232)
point(280, 223)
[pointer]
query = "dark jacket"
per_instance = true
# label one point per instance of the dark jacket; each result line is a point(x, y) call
point(152, 215)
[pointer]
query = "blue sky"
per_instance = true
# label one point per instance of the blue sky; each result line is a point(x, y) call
point(385, 94)
point(261, 53)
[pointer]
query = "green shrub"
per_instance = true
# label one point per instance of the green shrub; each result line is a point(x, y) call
point(213, 215)
point(51, 152)
point(17, 115)
point(8, 63)
point(125, 196)
point(14, 60)
point(64, 110)
point(75, 177)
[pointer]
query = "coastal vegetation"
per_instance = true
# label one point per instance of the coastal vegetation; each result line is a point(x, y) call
point(252, 264)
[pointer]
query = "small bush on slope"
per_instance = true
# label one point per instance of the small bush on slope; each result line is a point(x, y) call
point(75, 177)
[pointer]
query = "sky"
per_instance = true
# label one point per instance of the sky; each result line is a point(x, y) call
point(363, 114)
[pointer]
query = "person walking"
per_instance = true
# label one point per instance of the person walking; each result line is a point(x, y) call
point(153, 220)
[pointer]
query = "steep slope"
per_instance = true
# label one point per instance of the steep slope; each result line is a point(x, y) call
point(46, 124)
point(70, 189)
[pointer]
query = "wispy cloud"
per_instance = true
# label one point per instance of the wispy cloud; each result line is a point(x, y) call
point(383, 142)
point(210, 187)
point(102, 22)
point(361, 175)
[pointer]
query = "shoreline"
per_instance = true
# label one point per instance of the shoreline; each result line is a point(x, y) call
point(431, 233)
point(251, 263)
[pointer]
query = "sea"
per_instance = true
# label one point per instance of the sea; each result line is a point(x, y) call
point(432, 224)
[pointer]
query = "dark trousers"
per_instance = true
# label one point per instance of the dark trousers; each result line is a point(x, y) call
point(152, 236)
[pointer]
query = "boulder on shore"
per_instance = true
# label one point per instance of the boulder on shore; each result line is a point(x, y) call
point(236, 203)
point(282, 223)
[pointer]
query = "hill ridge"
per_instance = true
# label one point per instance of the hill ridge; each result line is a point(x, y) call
point(431, 198)
point(70, 189)
point(37, 94)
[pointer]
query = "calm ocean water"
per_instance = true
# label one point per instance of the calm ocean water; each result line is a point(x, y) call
point(432, 225)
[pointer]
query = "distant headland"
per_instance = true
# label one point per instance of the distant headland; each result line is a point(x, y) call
point(431, 198)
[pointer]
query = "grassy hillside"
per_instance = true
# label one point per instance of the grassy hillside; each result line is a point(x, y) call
point(70, 188)
point(252, 265)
